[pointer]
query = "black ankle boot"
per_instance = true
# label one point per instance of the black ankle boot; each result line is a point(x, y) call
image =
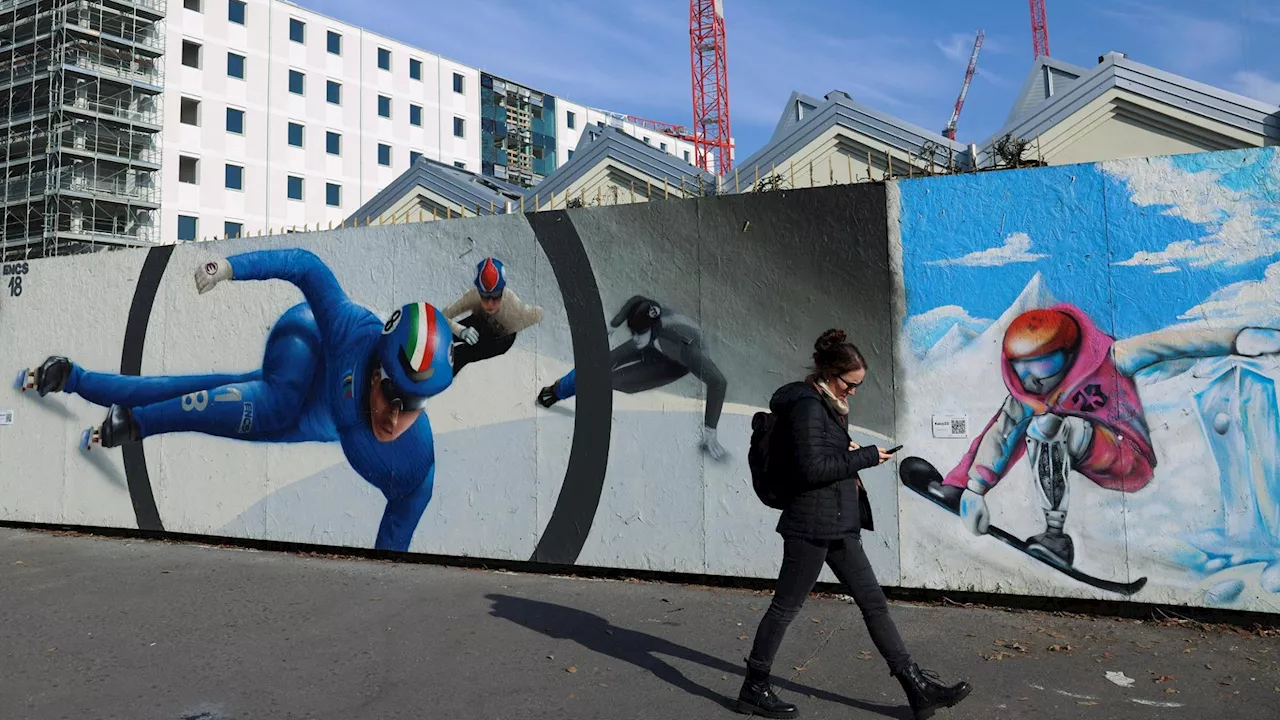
point(758, 698)
point(926, 695)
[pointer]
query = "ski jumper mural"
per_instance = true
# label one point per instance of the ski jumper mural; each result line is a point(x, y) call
point(664, 347)
point(496, 315)
point(331, 372)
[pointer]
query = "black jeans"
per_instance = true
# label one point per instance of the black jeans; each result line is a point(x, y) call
point(802, 562)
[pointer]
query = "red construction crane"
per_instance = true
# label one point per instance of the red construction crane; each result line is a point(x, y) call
point(950, 131)
point(1039, 29)
point(676, 131)
point(710, 86)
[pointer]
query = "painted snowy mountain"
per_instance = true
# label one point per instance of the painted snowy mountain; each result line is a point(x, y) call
point(959, 346)
point(950, 343)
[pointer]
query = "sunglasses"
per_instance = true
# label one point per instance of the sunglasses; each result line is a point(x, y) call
point(492, 295)
point(849, 383)
point(397, 397)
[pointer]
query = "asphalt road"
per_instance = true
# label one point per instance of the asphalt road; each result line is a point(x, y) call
point(137, 630)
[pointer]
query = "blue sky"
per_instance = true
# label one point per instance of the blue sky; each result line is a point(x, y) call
point(1165, 241)
point(904, 58)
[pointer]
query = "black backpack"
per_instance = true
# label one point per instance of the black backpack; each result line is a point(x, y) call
point(763, 461)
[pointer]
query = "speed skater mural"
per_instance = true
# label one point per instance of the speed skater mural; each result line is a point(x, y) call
point(664, 347)
point(1123, 396)
point(331, 372)
point(495, 315)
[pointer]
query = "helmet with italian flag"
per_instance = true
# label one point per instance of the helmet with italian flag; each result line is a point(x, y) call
point(415, 353)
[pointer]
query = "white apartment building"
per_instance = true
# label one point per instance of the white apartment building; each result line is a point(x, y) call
point(275, 116)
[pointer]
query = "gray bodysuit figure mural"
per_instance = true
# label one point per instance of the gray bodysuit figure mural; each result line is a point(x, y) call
point(664, 347)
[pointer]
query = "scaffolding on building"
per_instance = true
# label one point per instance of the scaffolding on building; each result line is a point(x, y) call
point(518, 128)
point(81, 85)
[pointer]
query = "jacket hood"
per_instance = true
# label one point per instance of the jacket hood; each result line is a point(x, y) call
point(789, 394)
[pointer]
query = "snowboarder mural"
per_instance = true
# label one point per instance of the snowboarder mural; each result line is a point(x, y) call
point(1073, 410)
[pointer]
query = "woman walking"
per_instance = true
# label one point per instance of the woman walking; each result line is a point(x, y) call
point(821, 524)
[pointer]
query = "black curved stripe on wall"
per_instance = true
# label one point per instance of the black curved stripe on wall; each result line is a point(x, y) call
point(135, 336)
point(579, 497)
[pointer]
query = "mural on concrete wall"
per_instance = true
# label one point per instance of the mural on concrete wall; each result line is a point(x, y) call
point(563, 387)
point(1088, 376)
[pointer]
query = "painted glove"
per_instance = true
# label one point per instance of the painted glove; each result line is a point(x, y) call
point(212, 273)
point(1252, 342)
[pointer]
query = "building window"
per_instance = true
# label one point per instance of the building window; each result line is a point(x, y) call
point(235, 65)
point(384, 154)
point(235, 177)
point(188, 170)
point(335, 43)
point(189, 111)
point(191, 53)
point(297, 30)
point(235, 121)
point(384, 106)
point(570, 154)
point(573, 119)
point(295, 134)
point(646, 141)
point(295, 187)
point(192, 5)
point(415, 115)
point(384, 59)
point(459, 83)
point(297, 82)
point(415, 69)
point(187, 226)
point(232, 229)
point(459, 127)
point(333, 194)
point(664, 147)
point(235, 11)
point(333, 92)
point(333, 143)
point(414, 156)
point(459, 164)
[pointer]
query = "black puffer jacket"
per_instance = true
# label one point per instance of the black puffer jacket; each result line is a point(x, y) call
point(813, 443)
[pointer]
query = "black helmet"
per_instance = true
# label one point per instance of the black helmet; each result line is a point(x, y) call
point(643, 316)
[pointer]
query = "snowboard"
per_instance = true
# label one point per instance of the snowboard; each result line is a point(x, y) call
point(916, 474)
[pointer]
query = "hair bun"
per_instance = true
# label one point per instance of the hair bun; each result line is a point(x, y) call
point(830, 340)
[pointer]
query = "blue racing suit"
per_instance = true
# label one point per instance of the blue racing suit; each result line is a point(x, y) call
point(313, 387)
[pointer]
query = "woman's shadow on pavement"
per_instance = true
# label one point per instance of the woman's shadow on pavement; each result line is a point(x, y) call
point(642, 650)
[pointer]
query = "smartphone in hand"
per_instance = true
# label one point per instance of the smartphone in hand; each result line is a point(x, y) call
point(894, 450)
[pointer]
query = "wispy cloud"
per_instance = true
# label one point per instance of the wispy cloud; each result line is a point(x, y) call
point(1016, 249)
point(1255, 85)
point(1238, 228)
point(958, 48)
point(925, 329)
point(1188, 43)
point(1251, 301)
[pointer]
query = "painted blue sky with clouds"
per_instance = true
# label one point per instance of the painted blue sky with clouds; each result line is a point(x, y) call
point(1164, 241)
point(904, 58)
